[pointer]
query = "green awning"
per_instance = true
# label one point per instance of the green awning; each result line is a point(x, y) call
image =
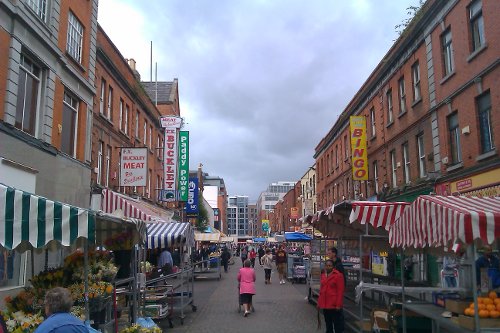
point(30, 221)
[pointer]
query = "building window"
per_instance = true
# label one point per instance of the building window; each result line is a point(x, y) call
point(422, 172)
point(158, 140)
point(415, 72)
point(375, 175)
point(75, 38)
point(108, 165)
point(456, 153)
point(145, 136)
point(120, 117)
point(476, 25)
point(110, 103)
point(484, 113)
point(39, 7)
point(137, 124)
point(69, 124)
point(406, 161)
point(28, 93)
point(372, 122)
point(447, 52)
point(99, 164)
point(150, 137)
point(125, 122)
point(390, 114)
point(346, 147)
point(103, 96)
point(402, 95)
point(149, 183)
point(336, 155)
point(394, 169)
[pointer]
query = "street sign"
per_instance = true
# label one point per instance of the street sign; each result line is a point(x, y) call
point(167, 196)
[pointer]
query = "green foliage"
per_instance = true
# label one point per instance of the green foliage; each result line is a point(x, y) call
point(202, 220)
point(412, 12)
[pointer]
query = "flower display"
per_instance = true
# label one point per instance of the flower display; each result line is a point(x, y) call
point(25, 301)
point(21, 322)
point(138, 329)
point(101, 266)
point(146, 267)
point(53, 277)
point(121, 241)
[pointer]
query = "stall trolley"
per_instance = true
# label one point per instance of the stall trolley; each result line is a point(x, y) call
point(293, 260)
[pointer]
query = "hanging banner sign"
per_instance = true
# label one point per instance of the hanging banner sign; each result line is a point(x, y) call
point(183, 165)
point(294, 212)
point(192, 201)
point(170, 164)
point(171, 122)
point(133, 166)
point(358, 148)
point(265, 225)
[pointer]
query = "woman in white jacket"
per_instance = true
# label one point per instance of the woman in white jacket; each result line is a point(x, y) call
point(267, 263)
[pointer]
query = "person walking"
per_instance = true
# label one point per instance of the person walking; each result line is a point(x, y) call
point(225, 256)
point(281, 263)
point(244, 255)
point(331, 296)
point(267, 263)
point(252, 256)
point(261, 253)
point(246, 279)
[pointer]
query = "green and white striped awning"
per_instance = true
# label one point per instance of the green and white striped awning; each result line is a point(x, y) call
point(30, 221)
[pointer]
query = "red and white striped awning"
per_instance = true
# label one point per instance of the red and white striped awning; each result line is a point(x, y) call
point(112, 201)
point(436, 221)
point(377, 213)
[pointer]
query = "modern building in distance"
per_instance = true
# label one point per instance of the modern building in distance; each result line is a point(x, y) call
point(253, 223)
point(268, 199)
point(220, 205)
point(237, 217)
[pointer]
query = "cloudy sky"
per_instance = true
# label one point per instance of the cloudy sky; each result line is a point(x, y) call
point(261, 81)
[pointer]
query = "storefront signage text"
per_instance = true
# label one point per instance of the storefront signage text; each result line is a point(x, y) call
point(133, 166)
point(358, 148)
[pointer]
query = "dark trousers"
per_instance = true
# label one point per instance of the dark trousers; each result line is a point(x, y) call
point(252, 260)
point(225, 263)
point(267, 273)
point(334, 319)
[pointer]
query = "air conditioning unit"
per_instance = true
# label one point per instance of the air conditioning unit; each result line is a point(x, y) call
point(445, 160)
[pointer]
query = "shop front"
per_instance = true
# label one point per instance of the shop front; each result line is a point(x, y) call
point(484, 184)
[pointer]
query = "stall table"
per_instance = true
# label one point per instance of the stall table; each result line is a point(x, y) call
point(434, 312)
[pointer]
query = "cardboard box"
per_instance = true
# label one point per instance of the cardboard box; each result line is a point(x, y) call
point(456, 305)
point(468, 322)
point(439, 299)
point(380, 320)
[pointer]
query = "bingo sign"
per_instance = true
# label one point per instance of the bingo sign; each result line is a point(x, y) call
point(192, 201)
point(358, 148)
point(133, 166)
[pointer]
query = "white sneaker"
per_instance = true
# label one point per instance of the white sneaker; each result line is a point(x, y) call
point(283, 281)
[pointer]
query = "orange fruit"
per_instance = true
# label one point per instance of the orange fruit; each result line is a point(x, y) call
point(491, 307)
point(496, 300)
point(492, 294)
point(471, 305)
point(471, 312)
point(494, 314)
point(467, 312)
point(484, 313)
point(481, 306)
point(498, 306)
point(487, 301)
point(480, 300)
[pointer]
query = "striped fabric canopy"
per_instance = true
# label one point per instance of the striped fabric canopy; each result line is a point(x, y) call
point(436, 221)
point(377, 213)
point(30, 221)
point(113, 201)
point(207, 236)
point(169, 234)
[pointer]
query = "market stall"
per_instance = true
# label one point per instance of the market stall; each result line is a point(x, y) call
point(210, 267)
point(31, 222)
point(165, 295)
point(446, 222)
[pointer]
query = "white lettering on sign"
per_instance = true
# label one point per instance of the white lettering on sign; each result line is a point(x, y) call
point(170, 160)
point(134, 166)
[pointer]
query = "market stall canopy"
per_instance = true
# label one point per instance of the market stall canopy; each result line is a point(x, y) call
point(31, 221)
point(113, 201)
point(160, 235)
point(434, 221)
point(259, 239)
point(271, 240)
point(108, 227)
point(377, 213)
point(227, 239)
point(209, 235)
point(297, 237)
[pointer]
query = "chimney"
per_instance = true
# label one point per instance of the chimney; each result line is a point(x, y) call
point(131, 63)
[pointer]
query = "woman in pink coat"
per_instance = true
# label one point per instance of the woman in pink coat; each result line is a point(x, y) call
point(246, 278)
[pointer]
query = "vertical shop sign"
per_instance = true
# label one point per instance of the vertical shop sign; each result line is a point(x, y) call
point(133, 166)
point(358, 148)
point(183, 165)
point(170, 165)
point(192, 200)
point(294, 212)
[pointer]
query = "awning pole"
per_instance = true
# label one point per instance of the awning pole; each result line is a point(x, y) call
point(86, 283)
point(474, 286)
point(403, 301)
point(361, 280)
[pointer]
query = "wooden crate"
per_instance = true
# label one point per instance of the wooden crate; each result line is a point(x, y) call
point(468, 322)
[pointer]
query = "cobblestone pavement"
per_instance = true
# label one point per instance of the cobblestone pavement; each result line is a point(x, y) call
point(278, 308)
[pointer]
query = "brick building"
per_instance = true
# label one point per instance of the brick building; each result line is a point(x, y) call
point(284, 219)
point(429, 109)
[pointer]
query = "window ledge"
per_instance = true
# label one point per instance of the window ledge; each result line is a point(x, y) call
point(476, 52)
point(447, 77)
point(74, 61)
point(402, 114)
point(489, 154)
point(373, 137)
point(137, 139)
point(389, 124)
point(416, 102)
point(103, 116)
point(455, 167)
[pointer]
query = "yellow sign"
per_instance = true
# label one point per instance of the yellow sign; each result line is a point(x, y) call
point(485, 184)
point(358, 148)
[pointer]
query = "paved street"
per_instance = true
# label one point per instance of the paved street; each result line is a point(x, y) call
point(278, 308)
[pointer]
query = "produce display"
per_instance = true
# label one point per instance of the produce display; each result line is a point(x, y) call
point(488, 306)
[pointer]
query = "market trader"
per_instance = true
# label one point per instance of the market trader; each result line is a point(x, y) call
point(165, 260)
point(487, 260)
point(58, 303)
